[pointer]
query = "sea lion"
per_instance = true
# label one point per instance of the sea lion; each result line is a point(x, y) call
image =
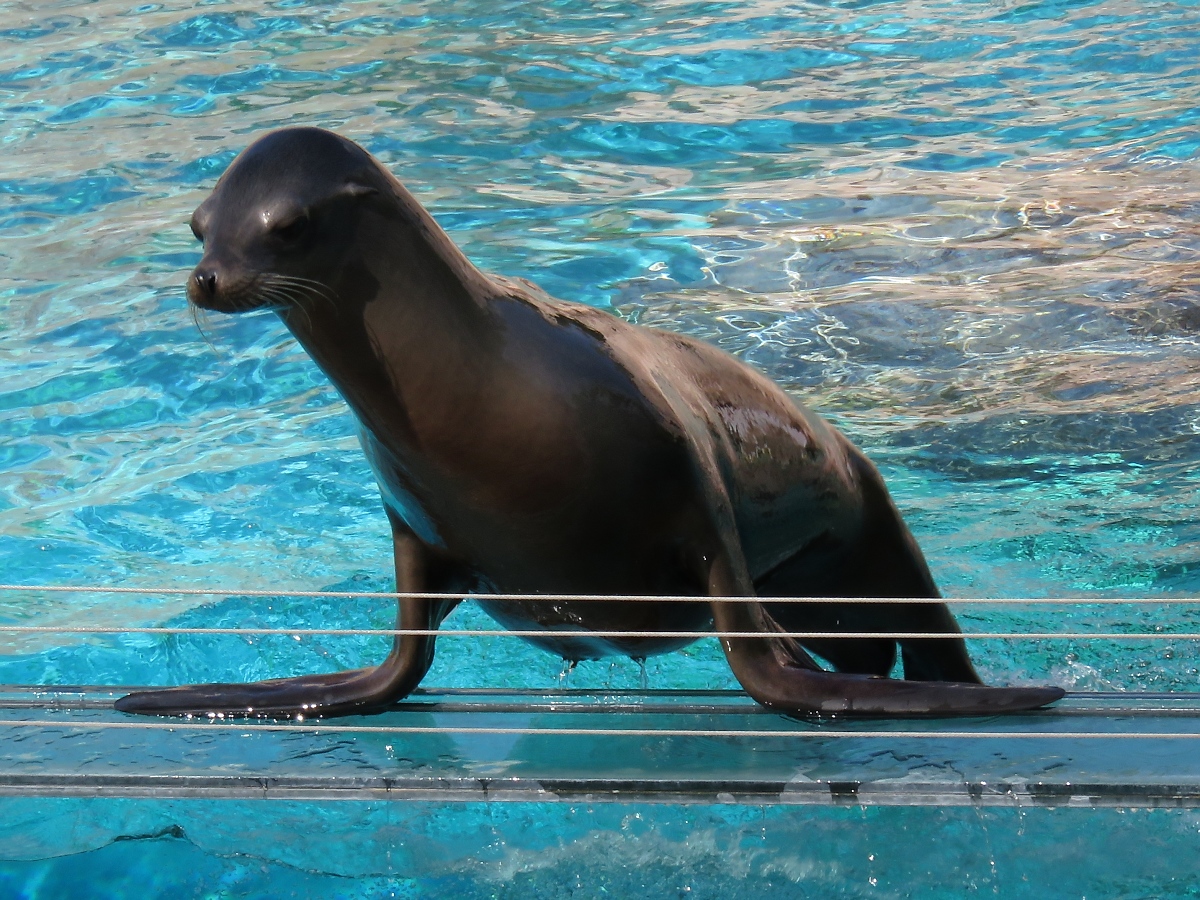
point(524, 445)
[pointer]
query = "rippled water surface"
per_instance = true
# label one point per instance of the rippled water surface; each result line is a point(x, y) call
point(966, 232)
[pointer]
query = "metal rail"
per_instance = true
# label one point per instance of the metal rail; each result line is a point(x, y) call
point(601, 598)
point(601, 633)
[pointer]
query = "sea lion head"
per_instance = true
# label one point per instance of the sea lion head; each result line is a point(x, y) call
point(283, 210)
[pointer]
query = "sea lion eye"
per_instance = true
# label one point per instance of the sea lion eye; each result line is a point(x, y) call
point(196, 231)
point(292, 229)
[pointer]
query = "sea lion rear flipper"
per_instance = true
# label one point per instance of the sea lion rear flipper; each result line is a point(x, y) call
point(780, 675)
point(337, 693)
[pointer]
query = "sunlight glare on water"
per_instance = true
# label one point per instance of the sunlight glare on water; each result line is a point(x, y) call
point(966, 232)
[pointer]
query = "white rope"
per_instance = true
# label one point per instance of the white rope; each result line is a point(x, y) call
point(304, 728)
point(553, 598)
point(589, 633)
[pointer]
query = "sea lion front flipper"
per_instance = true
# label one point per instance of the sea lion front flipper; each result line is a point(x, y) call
point(780, 675)
point(337, 693)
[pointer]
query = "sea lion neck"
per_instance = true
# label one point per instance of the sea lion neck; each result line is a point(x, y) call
point(409, 333)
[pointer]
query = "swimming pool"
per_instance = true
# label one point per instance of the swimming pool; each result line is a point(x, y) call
point(964, 232)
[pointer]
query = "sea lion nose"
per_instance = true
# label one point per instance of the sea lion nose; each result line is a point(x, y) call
point(205, 281)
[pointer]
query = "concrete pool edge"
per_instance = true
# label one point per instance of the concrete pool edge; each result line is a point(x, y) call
point(689, 747)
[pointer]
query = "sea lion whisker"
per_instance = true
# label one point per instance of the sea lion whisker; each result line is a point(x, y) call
point(274, 298)
point(297, 279)
point(313, 288)
point(197, 312)
point(309, 284)
point(299, 299)
point(283, 300)
point(271, 289)
point(316, 297)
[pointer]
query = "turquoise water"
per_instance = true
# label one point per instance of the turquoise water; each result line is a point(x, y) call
point(966, 232)
point(609, 850)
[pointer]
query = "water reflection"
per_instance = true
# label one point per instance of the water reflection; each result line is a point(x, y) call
point(964, 231)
